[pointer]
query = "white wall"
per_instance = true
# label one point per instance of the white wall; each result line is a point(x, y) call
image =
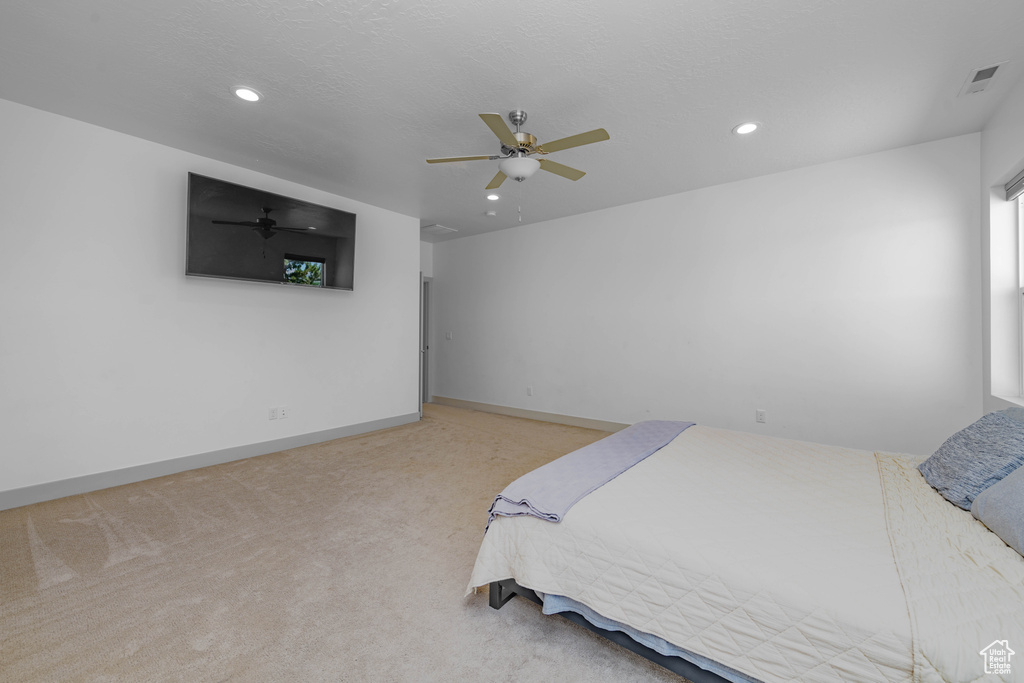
point(1002, 154)
point(110, 357)
point(844, 299)
point(427, 259)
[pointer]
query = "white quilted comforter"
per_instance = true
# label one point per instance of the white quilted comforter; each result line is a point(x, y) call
point(784, 560)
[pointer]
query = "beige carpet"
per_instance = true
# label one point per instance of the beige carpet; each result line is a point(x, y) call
point(342, 561)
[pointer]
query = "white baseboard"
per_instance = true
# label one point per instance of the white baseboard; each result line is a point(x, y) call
point(570, 420)
point(102, 480)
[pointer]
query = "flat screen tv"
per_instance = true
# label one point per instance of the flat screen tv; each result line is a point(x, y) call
point(241, 233)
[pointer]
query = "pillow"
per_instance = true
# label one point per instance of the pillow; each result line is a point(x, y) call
point(975, 458)
point(1001, 508)
point(1016, 412)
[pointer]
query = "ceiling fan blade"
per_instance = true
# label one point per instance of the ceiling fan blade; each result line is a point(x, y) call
point(248, 224)
point(596, 135)
point(290, 229)
point(496, 181)
point(496, 122)
point(444, 160)
point(561, 169)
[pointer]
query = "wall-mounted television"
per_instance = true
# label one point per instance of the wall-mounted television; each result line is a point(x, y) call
point(241, 233)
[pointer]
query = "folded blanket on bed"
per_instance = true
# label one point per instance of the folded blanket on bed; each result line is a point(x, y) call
point(549, 491)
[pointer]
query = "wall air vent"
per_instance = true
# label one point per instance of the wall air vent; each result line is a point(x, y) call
point(980, 79)
point(436, 230)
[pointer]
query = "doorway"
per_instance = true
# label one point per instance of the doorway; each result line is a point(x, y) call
point(426, 307)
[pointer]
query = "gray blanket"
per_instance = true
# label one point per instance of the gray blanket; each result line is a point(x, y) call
point(550, 490)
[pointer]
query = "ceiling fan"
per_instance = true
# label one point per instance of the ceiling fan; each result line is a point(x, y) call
point(518, 147)
point(266, 226)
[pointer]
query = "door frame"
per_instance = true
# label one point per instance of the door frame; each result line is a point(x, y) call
point(426, 340)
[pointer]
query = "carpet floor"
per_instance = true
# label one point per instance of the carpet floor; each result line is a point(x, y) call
point(341, 561)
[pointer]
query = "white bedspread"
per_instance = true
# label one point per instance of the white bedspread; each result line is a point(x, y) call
point(768, 555)
point(964, 586)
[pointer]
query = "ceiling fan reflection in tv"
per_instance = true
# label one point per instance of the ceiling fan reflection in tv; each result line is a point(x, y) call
point(265, 226)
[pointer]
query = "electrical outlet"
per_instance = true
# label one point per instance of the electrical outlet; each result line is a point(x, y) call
point(449, 336)
point(273, 414)
point(282, 412)
point(761, 415)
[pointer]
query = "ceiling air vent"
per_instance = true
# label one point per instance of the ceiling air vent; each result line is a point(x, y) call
point(979, 79)
point(436, 230)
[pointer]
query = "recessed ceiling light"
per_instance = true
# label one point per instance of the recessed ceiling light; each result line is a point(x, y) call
point(491, 213)
point(493, 197)
point(746, 128)
point(248, 94)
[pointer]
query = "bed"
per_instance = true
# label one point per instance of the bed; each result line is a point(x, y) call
point(766, 559)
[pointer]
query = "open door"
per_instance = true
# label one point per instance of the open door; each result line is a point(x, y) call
point(425, 294)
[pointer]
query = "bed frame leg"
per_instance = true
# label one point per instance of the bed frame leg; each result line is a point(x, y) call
point(501, 592)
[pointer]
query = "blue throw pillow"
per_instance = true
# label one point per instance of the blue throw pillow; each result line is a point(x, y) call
point(1016, 412)
point(1001, 508)
point(975, 458)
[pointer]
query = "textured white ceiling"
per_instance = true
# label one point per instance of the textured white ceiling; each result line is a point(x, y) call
point(359, 93)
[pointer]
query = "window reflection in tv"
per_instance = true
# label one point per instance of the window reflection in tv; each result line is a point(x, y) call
point(242, 233)
point(304, 270)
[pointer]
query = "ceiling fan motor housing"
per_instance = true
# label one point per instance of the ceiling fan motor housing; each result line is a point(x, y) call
point(527, 143)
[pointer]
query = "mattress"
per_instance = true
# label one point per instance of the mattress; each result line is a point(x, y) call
point(783, 560)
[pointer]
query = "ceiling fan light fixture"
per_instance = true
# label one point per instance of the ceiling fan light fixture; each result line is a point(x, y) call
point(248, 94)
point(519, 168)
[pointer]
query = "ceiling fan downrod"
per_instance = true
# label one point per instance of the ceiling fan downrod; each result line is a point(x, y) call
point(525, 142)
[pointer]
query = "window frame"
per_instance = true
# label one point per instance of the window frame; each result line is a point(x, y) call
point(1020, 293)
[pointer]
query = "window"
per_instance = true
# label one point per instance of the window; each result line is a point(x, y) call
point(304, 270)
point(1020, 290)
point(1006, 282)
